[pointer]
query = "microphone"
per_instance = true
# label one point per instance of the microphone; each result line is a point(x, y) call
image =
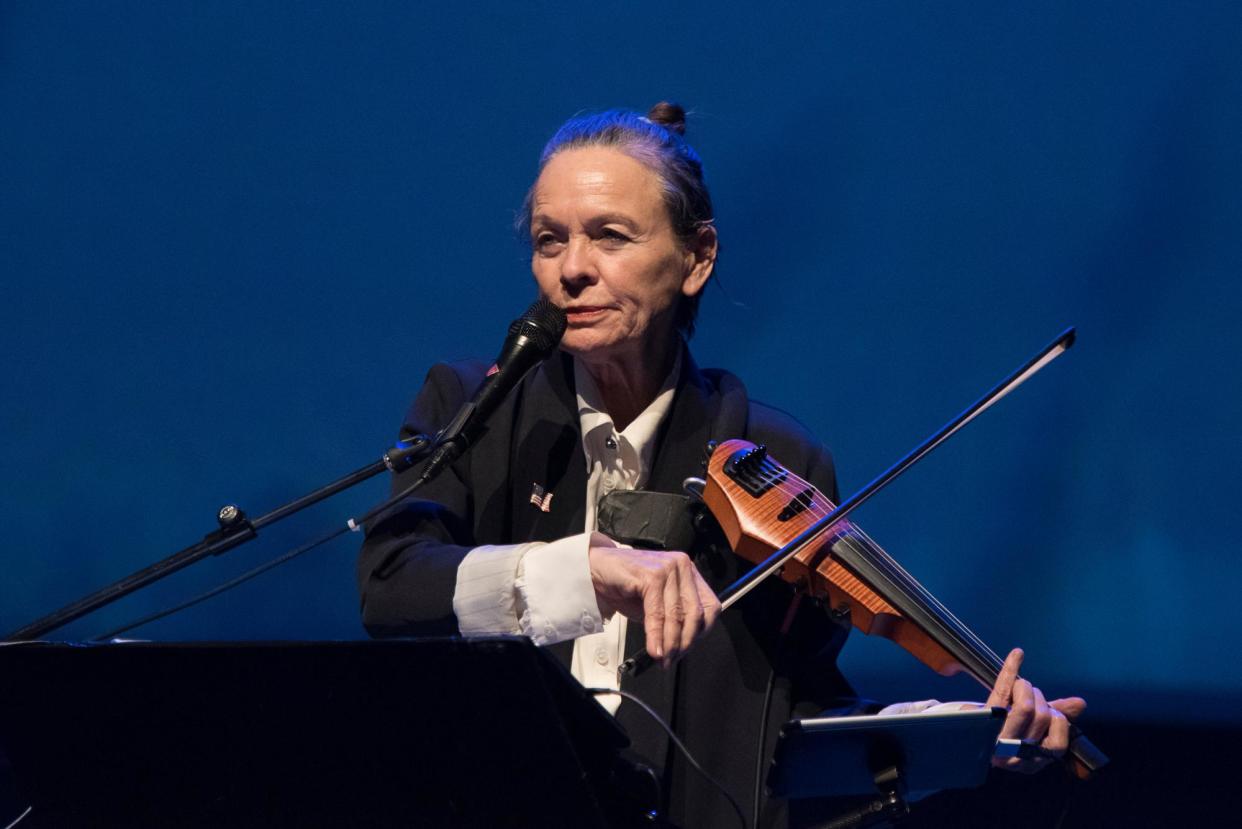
point(532, 339)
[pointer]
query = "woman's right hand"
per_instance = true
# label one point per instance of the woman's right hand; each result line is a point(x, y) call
point(663, 590)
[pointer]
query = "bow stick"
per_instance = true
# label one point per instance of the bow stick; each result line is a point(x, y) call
point(639, 661)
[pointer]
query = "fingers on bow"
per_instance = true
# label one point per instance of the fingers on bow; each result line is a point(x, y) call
point(678, 608)
point(678, 615)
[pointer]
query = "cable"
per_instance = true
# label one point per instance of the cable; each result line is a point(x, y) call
point(20, 817)
point(680, 747)
point(763, 738)
point(353, 524)
point(1070, 790)
point(228, 585)
point(778, 665)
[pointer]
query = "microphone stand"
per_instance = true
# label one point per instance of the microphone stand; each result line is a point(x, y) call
point(235, 529)
point(532, 338)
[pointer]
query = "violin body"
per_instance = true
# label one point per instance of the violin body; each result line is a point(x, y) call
point(762, 507)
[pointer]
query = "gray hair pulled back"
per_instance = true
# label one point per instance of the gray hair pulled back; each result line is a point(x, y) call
point(657, 141)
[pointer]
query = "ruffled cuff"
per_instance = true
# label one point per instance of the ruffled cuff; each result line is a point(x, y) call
point(555, 595)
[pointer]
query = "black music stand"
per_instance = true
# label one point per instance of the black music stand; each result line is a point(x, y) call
point(889, 759)
point(430, 732)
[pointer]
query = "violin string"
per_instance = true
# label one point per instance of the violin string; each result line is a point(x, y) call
point(792, 485)
point(981, 647)
point(865, 546)
point(877, 555)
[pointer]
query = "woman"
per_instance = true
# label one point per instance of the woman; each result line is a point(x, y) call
point(622, 236)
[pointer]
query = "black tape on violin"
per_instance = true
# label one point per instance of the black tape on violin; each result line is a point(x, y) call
point(648, 520)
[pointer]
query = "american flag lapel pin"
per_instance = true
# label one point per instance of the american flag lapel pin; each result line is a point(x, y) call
point(540, 498)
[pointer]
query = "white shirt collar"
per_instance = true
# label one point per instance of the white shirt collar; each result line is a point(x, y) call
point(640, 433)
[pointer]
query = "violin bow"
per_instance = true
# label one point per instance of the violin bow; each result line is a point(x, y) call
point(639, 661)
point(1083, 756)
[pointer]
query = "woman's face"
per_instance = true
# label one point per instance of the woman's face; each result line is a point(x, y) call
point(603, 249)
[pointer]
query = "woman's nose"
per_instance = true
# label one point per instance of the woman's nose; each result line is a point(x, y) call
point(578, 264)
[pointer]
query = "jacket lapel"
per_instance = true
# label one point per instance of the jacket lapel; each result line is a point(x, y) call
point(679, 455)
point(679, 449)
point(548, 460)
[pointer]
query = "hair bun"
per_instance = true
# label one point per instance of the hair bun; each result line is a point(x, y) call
point(668, 115)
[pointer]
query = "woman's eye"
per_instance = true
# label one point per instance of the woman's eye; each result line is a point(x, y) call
point(614, 236)
point(545, 242)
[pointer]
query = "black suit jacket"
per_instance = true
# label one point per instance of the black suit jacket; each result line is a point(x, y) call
point(713, 697)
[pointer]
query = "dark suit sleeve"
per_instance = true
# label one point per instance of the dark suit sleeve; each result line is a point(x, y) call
point(407, 569)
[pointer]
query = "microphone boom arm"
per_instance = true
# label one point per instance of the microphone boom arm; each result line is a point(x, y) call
point(235, 529)
point(532, 338)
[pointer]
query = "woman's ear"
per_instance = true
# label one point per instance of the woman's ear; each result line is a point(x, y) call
point(700, 260)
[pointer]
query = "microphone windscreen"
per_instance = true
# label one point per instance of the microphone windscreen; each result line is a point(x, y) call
point(543, 322)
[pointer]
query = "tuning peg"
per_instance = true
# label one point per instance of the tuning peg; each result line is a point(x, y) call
point(754, 458)
point(708, 449)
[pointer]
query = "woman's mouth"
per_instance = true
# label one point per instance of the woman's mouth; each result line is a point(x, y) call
point(581, 314)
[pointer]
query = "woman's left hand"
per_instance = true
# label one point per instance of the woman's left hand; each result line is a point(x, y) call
point(1031, 717)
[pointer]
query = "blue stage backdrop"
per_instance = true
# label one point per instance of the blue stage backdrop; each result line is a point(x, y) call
point(233, 238)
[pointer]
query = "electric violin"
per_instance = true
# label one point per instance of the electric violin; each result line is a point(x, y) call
point(784, 525)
